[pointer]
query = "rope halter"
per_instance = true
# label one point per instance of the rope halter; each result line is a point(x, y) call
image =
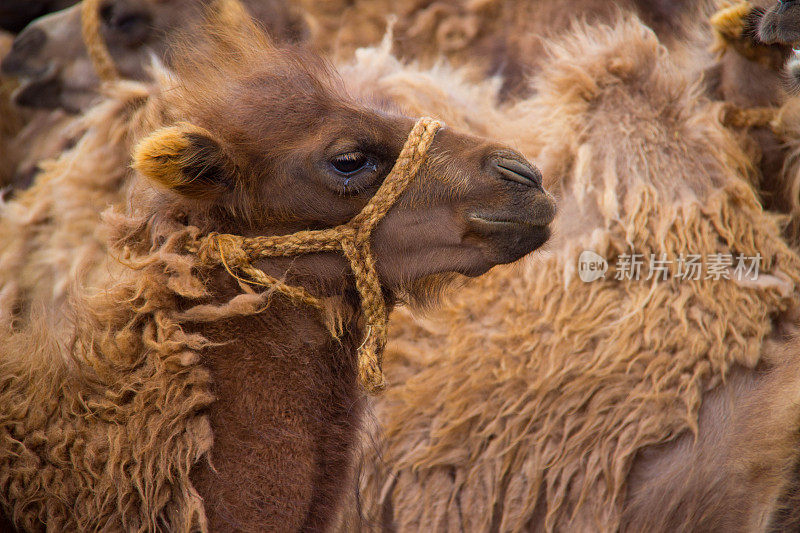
point(236, 253)
point(95, 44)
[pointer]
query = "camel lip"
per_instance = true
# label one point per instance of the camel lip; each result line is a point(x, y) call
point(540, 219)
point(508, 240)
point(47, 92)
point(499, 222)
point(28, 83)
point(515, 238)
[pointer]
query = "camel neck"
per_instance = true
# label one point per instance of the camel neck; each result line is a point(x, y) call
point(287, 411)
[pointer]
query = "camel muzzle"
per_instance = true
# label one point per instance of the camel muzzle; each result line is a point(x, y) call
point(517, 171)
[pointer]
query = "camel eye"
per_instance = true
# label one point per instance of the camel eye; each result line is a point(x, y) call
point(352, 162)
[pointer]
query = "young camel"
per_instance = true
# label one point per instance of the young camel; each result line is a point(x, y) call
point(175, 396)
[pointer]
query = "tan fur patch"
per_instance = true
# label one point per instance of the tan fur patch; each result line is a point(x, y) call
point(186, 159)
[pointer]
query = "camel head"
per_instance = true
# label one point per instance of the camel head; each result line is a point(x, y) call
point(781, 25)
point(54, 67)
point(268, 141)
point(751, 69)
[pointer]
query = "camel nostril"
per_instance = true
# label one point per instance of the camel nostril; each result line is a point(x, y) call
point(29, 41)
point(25, 46)
point(517, 171)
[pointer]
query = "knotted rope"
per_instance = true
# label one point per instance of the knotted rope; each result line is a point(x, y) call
point(236, 253)
point(95, 44)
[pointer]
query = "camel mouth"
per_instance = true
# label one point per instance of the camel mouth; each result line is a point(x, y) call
point(496, 222)
point(541, 215)
point(510, 238)
point(40, 90)
point(48, 92)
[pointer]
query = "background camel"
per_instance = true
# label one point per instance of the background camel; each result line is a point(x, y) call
point(781, 23)
point(55, 69)
point(536, 401)
point(490, 38)
point(12, 119)
point(55, 72)
point(136, 32)
point(750, 76)
point(164, 364)
point(493, 37)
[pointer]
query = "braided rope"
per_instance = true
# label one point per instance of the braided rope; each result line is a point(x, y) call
point(95, 44)
point(236, 253)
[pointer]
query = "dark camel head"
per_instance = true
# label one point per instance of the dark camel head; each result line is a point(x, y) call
point(267, 141)
point(51, 60)
point(780, 25)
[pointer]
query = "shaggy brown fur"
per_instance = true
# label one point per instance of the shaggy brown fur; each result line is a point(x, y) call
point(781, 147)
point(10, 123)
point(535, 401)
point(495, 38)
point(492, 36)
point(145, 391)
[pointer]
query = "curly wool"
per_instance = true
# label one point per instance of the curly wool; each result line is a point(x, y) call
point(122, 424)
point(527, 399)
point(106, 410)
point(101, 389)
point(488, 37)
point(50, 232)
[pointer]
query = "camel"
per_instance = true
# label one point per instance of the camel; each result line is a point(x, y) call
point(174, 393)
point(56, 72)
point(136, 32)
point(494, 38)
point(536, 401)
point(750, 77)
point(12, 119)
point(780, 25)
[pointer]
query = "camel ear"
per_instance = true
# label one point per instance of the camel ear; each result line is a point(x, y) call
point(186, 159)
